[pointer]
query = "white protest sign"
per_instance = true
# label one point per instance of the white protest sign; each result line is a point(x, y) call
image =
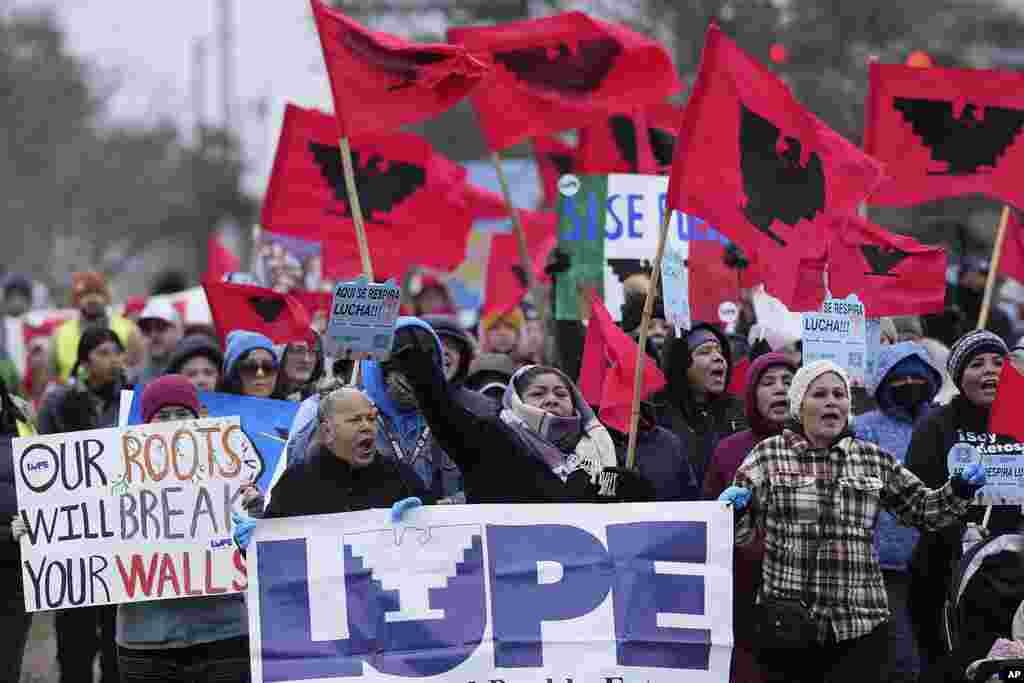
point(458, 593)
point(1003, 459)
point(131, 514)
point(837, 334)
point(362, 322)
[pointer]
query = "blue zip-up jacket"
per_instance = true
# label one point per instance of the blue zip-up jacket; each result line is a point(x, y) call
point(890, 426)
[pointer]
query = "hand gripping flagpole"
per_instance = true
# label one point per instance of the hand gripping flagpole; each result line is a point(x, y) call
point(990, 281)
point(357, 218)
point(641, 354)
point(986, 303)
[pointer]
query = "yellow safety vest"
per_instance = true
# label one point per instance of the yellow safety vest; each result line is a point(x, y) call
point(66, 340)
point(26, 429)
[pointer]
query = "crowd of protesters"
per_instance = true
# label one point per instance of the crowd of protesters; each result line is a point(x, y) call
point(829, 483)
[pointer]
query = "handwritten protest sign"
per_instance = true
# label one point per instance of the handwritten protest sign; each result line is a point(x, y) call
point(837, 334)
point(266, 421)
point(460, 593)
point(362, 322)
point(133, 514)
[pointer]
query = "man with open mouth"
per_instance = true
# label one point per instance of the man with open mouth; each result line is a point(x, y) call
point(344, 472)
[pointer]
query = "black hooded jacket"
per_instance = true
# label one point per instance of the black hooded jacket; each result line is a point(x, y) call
point(699, 426)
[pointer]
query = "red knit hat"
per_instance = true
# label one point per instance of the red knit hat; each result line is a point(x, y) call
point(88, 282)
point(169, 390)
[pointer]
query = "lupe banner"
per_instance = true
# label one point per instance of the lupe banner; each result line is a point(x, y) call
point(511, 593)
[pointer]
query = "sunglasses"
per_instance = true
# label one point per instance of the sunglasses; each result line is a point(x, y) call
point(252, 368)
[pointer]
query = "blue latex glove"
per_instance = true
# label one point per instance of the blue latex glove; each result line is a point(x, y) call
point(399, 508)
point(737, 496)
point(968, 480)
point(244, 526)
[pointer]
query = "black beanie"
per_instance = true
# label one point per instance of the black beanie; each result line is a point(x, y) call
point(633, 310)
point(92, 338)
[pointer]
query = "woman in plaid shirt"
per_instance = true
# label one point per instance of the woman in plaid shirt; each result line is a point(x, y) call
point(815, 492)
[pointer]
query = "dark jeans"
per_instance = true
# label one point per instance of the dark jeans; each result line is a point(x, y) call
point(14, 623)
point(81, 634)
point(857, 660)
point(904, 661)
point(223, 661)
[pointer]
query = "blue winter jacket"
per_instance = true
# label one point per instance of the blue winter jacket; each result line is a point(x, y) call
point(890, 426)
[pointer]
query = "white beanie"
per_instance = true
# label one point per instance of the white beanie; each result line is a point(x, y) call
point(803, 378)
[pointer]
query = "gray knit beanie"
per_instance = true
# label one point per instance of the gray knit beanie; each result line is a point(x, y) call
point(969, 346)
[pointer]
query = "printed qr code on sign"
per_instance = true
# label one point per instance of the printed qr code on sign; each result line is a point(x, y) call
point(856, 360)
point(380, 341)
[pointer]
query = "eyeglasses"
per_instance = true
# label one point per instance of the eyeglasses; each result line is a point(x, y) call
point(252, 368)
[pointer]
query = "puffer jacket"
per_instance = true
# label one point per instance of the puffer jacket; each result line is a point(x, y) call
point(891, 426)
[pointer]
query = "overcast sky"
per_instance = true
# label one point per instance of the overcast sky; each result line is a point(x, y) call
point(149, 46)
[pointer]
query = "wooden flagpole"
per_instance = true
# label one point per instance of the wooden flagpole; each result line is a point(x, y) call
point(986, 304)
point(357, 218)
point(641, 353)
point(993, 268)
point(517, 226)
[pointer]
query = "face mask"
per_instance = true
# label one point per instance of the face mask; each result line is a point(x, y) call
point(910, 396)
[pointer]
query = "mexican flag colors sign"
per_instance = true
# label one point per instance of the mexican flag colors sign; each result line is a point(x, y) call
point(608, 227)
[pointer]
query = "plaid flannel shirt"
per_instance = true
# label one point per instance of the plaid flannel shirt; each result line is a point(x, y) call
point(818, 509)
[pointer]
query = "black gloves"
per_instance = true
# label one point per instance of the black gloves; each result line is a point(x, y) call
point(631, 486)
point(415, 356)
point(557, 263)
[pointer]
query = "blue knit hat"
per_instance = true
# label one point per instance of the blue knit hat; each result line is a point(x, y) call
point(241, 342)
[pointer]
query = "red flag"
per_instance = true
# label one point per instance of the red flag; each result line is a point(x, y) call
point(381, 82)
point(639, 142)
point(892, 274)
point(810, 285)
point(608, 367)
point(663, 121)
point(313, 302)
point(505, 288)
point(711, 281)
point(257, 309)
point(761, 168)
point(945, 133)
point(547, 73)
point(1005, 416)
point(481, 203)
point(554, 159)
point(738, 381)
point(219, 259)
point(1011, 261)
point(413, 200)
